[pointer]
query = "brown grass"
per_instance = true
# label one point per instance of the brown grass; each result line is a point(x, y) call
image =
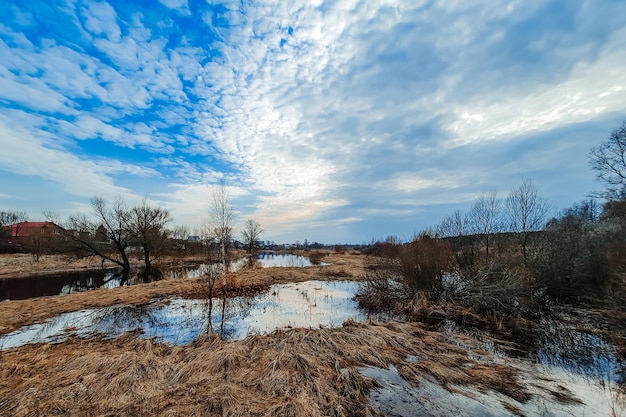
point(18, 265)
point(299, 372)
point(17, 313)
point(22, 264)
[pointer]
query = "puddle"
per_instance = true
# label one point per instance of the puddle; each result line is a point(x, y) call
point(397, 398)
point(309, 304)
point(69, 282)
point(551, 343)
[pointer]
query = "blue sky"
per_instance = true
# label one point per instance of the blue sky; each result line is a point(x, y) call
point(332, 121)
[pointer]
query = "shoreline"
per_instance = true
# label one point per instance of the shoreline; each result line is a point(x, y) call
point(17, 313)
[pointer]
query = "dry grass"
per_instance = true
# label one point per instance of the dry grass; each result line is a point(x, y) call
point(17, 265)
point(288, 373)
point(22, 264)
point(17, 313)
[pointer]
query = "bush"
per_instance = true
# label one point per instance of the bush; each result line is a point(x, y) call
point(316, 257)
point(423, 263)
point(381, 290)
point(578, 261)
point(389, 248)
point(498, 290)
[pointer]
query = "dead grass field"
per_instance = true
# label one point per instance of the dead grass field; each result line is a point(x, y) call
point(299, 372)
point(296, 372)
point(18, 313)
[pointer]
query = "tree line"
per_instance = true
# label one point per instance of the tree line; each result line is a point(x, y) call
point(506, 256)
point(115, 230)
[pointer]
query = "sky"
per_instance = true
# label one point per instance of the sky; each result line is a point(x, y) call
point(332, 121)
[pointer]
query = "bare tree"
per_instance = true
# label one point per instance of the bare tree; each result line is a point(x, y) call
point(457, 227)
point(251, 234)
point(37, 242)
point(147, 224)
point(12, 217)
point(180, 234)
point(51, 216)
point(111, 230)
point(609, 161)
point(453, 225)
point(485, 217)
point(221, 218)
point(527, 211)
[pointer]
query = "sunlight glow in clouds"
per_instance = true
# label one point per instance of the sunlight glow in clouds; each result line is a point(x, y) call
point(330, 121)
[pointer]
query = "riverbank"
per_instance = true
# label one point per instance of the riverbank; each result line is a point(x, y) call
point(18, 313)
point(22, 265)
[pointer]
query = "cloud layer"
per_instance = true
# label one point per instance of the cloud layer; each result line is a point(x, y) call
point(331, 121)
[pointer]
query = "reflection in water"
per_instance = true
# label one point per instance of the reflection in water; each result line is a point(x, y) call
point(70, 282)
point(552, 343)
point(179, 321)
point(270, 260)
point(37, 286)
point(576, 351)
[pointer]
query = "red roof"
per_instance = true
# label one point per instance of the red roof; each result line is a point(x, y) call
point(29, 228)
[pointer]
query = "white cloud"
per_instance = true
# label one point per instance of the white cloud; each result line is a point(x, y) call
point(321, 111)
point(591, 90)
point(27, 155)
point(180, 5)
point(100, 18)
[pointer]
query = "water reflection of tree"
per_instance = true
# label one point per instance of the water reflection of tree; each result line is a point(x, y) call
point(126, 318)
point(550, 342)
point(236, 307)
point(86, 281)
point(210, 277)
point(577, 351)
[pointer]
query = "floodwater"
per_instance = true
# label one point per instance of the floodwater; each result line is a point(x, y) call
point(70, 282)
point(309, 304)
point(271, 259)
point(395, 397)
point(568, 372)
point(65, 283)
point(554, 361)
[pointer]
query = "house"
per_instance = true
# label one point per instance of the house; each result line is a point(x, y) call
point(28, 229)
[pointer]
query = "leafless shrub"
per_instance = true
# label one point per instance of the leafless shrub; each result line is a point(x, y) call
point(316, 257)
point(423, 263)
point(382, 289)
point(497, 290)
point(389, 248)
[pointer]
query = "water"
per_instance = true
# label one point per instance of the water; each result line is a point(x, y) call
point(271, 259)
point(552, 358)
point(70, 282)
point(65, 283)
point(550, 343)
point(309, 304)
point(395, 397)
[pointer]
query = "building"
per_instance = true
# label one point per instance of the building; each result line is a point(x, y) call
point(28, 229)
